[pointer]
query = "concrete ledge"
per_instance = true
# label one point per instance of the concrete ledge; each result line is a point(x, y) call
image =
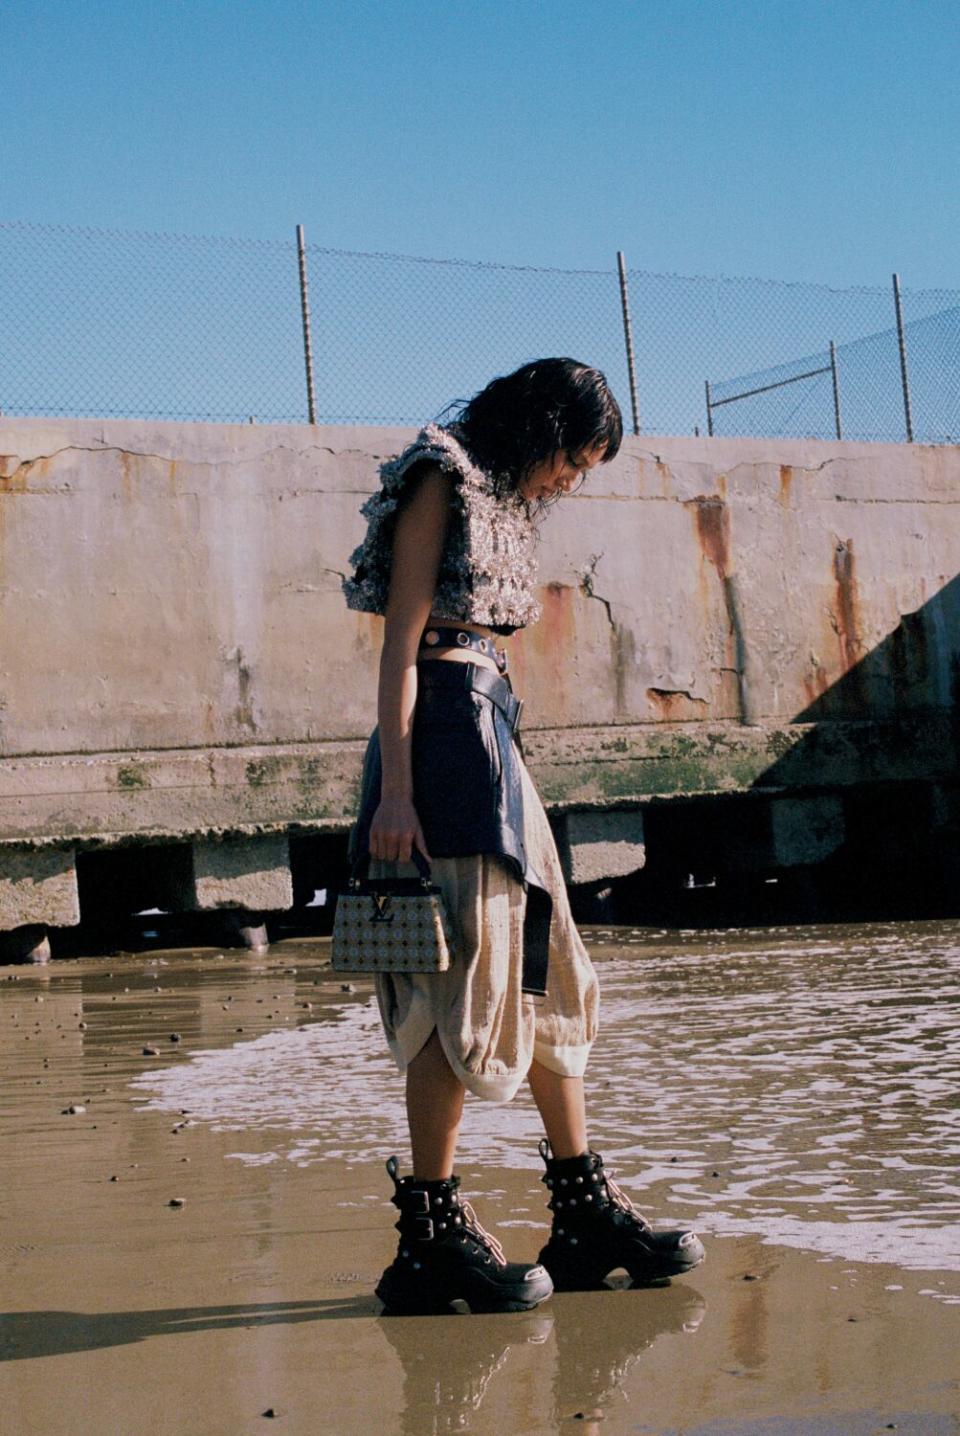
point(109, 799)
point(601, 768)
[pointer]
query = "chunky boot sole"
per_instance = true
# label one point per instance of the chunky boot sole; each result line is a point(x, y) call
point(588, 1272)
point(434, 1297)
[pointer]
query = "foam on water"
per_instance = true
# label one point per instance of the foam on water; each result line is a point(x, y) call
point(802, 1085)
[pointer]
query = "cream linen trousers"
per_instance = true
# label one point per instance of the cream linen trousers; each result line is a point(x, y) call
point(489, 1029)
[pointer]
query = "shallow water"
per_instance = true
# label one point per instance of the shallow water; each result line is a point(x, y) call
point(799, 1084)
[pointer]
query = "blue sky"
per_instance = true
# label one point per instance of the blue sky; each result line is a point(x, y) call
point(790, 139)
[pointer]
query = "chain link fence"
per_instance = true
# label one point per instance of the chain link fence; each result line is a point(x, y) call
point(101, 323)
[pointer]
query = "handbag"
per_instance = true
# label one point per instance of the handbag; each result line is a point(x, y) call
point(390, 924)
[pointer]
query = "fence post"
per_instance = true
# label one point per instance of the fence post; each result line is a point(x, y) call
point(628, 339)
point(305, 311)
point(836, 389)
point(706, 385)
point(904, 377)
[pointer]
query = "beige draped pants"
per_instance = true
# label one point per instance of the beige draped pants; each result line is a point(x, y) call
point(489, 1029)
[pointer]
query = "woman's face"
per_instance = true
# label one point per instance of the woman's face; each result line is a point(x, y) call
point(559, 474)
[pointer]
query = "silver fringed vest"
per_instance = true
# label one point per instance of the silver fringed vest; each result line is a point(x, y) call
point(488, 566)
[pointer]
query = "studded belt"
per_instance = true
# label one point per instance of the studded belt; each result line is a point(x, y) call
point(462, 638)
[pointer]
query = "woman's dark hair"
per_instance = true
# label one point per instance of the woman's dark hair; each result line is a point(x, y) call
point(542, 407)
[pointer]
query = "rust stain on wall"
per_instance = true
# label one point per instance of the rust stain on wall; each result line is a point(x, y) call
point(554, 636)
point(676, 704)
point(557, 621)
point(556, 628)
point(665, 477)
point(816, 682)
point(17, 473)
point(712, 518)
point(712, 521)
point(786, 479)
point(846, 610)
point(126, 474)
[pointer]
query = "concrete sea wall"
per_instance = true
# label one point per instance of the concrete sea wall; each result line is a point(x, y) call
point(771, 623)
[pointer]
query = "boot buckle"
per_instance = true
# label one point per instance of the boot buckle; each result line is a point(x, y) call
point(423, 1227)
point(419, 1202)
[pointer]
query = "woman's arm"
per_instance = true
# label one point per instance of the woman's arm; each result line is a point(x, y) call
point(417, 548)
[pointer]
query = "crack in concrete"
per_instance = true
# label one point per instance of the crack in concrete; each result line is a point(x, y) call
point(315, 587)
point(181, 458)
point(676, 692)
point(587, 578)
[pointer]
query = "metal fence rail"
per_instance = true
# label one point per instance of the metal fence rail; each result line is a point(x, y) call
point(102, 323)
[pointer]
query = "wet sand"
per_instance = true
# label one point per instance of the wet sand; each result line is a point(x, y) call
point(793, 1092)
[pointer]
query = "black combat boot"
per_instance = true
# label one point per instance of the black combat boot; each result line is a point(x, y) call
point(596, 1229)
point(445, 1256)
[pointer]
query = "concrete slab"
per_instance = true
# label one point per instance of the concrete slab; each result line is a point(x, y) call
point(599, 846)
point(249, 873)
point(38, 888)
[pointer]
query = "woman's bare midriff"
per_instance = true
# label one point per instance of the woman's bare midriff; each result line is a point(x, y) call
point(459, 655)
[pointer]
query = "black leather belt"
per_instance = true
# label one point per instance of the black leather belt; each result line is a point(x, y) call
point(498, 690)
point(437, 637)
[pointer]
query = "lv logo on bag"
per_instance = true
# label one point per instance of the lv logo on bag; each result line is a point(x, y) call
point(381, 902)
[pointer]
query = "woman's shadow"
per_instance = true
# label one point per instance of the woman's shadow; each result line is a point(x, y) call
point(25, 1334)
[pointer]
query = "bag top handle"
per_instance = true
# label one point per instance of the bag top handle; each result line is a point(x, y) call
point(362, 863)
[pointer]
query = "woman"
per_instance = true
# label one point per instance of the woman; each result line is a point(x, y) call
point(448, 559)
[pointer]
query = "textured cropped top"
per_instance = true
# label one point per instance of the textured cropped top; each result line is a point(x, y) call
point(488, 565)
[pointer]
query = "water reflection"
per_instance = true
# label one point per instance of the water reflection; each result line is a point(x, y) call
point(591, 1341)
point(448, 1365)
point(802, 1084)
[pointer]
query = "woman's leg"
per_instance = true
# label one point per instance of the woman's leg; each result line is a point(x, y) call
point(560, 1103)
point(595, 1227)
point(444, 1255)
point(434, 1109)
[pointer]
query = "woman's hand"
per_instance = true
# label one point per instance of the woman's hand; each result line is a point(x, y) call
point(395, 830)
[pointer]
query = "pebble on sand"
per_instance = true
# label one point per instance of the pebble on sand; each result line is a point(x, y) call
point(74, 1110)
point(175, 1037)
point(177, 1202)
